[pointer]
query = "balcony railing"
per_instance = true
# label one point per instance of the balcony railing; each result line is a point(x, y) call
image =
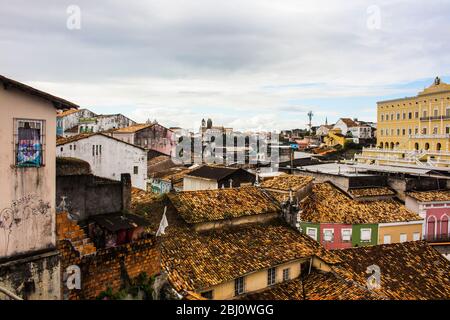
point(435, 118)
point(438, 237)
point(429, 136)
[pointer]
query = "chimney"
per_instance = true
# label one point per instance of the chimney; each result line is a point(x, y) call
point(125, 180)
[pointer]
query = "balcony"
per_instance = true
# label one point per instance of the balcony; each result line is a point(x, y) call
point(429, 136)
point(435, 118)
point(443, 237)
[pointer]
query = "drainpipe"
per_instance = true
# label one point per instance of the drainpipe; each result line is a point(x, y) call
point(10, 294)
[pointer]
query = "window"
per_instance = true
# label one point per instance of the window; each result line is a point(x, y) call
point(346, 234)
point(382, 117)
point(409, 115)
point(135, 170)
point(403, 237)
point(207, 294)
point(387, 239)
point(93, 150)
point(404, 116)
point(398, 132)
point(271, 276)
point(424, 113)
point(366, 235)
point(74, 147)
point(239, 286)
point(416, 114)
point(61, 149)
point(29, 142)
point(328, 235)
point(416, 130)
point(447, 130)
point(416, 236)
point(286, 275)
point(436, 112)
point(447, 112)
point(70, 147)
point(424, 130)
point(312, 232)
point(409, 131)
point(100, 150)
point(398, 116)
point(96, 150)
point(403, 131)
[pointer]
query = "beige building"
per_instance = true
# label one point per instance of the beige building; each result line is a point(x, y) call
point(413, 130)
point(27, 191)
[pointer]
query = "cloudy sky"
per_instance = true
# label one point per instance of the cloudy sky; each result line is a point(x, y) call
point(248, 64)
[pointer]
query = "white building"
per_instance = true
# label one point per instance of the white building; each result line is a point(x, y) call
point(107, 156)
point(69, 119)
point(358, 129)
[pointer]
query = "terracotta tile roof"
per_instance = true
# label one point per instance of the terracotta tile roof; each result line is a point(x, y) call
point(133, 128)
point(409, 270)
point(286, 182)
point(174, 174)
point(65, 140)
point(62, 140)
point(196, 261)
point(430, 196)
point(316, 286)
point(66, 113)
point(371, 192)
point(349, 122)
point(157, 160)
point(219, 204)
point(327, 204)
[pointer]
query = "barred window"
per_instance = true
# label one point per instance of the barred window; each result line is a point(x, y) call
point(271, 273)
point(29, 142)
point(239, 286)
point(286, 275)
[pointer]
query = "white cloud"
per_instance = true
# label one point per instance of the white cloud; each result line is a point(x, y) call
point(244, 63)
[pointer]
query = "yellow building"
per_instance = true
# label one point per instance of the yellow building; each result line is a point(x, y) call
point(334, 138)
point(413, 130)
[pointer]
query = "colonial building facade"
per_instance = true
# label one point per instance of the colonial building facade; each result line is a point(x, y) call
point(413, 130)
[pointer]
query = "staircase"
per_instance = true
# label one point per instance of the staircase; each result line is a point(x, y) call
point(67, 229)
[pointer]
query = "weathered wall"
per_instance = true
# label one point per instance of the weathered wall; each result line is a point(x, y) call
point(111, 267)
point(114, 159)
point(395, 230)
point(84, 196)
point(32, 278)
point(27, 211)
point(156, 138)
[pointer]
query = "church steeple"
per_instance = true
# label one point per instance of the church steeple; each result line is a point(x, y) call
point(326, 121)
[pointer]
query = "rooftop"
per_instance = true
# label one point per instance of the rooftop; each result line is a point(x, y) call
point(71, 166)
point(349, 122)
point(409, 271)
point(133, 128)
point(430, 196)
point(316, 286)
point(371, 192)
point(213, 172)
point(65, 140)
point(57, 102)
point(328, 204)
point(120, 221)
point(67, 112)
point(287, 182)
point(198, 261)
point(220, 204)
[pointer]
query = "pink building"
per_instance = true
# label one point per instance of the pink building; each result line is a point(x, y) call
point(434, 207)
point(336, 235)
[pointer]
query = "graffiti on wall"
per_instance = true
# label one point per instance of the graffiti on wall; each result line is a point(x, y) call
point(28, 217)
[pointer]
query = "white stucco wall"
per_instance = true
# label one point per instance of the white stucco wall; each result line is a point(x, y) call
point(115, 158)
point(195, 183)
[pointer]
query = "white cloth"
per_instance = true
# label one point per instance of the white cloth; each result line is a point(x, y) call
point(163, 224)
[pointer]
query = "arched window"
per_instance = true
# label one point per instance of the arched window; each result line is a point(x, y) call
point(431, 228)
point(438, 146)
point(392, 145)
point(416, 146)
point(386, 145)
point(397, 145)
point(427, 146)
